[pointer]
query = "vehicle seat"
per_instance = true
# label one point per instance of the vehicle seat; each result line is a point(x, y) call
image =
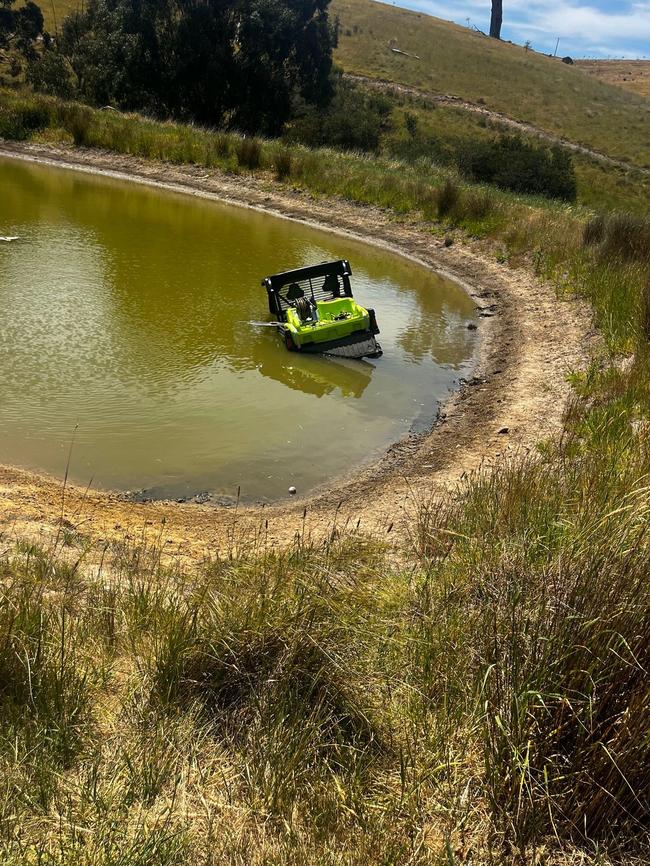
point(294, 292)
point(331, 284)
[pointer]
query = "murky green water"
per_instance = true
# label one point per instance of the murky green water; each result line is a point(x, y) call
point(124, 334)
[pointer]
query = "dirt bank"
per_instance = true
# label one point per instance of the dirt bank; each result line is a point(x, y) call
point(528, 342)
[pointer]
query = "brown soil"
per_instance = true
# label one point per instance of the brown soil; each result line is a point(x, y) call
point(504, 120)
point(529, 340)
point(632, 75)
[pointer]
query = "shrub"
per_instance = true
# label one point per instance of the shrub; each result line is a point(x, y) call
point(514, 164)
point(249, 153)
point(420, 146)
point(282, 165)
point(353, 121)
point(447, 197)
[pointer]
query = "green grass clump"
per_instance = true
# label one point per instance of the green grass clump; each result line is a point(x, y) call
point(621, 236)
point(283, 165)
point(448, 197)
point(249, 153)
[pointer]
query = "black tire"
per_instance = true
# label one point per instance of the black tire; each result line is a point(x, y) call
point(288, 342)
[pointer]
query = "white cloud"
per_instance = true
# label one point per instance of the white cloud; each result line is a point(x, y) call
point(623, 29)
point(587, 23)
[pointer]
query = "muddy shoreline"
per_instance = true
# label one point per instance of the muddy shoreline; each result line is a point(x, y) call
point(528, 341)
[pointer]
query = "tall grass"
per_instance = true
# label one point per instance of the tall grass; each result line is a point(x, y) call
point(551, 558)
point(283, 165)
point(237, 705)
point(489, 701)
point(249, 153)
point(44, 683)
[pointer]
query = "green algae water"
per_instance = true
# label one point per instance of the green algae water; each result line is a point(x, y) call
point(125, 342)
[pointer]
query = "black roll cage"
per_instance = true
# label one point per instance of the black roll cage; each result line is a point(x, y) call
point(312, 282)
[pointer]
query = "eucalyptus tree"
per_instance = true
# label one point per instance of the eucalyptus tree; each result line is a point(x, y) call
point(245, 64)
point(21, 26)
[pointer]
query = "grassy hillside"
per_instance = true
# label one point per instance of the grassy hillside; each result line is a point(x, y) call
point(524, 85)
point(633, 75)
point(54, 11)
point(600, 186)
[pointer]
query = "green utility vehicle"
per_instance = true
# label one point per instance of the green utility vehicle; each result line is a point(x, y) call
point(317, 313)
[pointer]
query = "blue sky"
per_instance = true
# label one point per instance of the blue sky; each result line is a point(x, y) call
point(587, 28)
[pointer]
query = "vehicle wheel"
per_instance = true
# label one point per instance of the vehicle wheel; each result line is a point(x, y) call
point(288, 341)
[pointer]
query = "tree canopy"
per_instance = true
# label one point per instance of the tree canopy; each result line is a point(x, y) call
point(241, 63)
point(20, 28)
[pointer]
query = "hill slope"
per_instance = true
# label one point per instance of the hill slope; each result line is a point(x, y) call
point(633, 75)
point(521, 84)
point(525, 86)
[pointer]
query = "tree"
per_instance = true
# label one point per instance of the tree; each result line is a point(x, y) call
point(354, 120)
point(496, 19)
point(239, 63)
point(20, 28)
point(50, 73)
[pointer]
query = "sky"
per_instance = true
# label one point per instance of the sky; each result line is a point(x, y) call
point(592, 28)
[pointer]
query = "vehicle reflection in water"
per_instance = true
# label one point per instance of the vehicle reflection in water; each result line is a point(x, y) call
point(317, 375)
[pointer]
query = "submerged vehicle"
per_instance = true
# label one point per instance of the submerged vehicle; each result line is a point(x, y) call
point(317, 313)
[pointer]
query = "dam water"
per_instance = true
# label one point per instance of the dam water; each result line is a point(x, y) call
point(126, 344)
